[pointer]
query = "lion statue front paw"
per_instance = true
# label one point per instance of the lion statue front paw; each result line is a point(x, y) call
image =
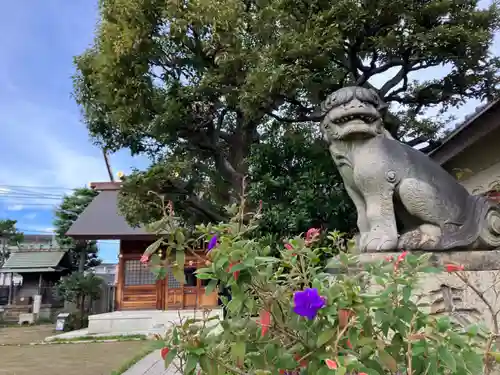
point(377, 241)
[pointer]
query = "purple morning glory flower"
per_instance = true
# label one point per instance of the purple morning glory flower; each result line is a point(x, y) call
point(307, 303)
point(212, 243)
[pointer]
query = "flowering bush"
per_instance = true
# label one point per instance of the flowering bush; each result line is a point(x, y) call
point(290, 315)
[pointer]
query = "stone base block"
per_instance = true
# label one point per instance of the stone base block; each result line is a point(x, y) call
point(472, 260)
point(476, 301)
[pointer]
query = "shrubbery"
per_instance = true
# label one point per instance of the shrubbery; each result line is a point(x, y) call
point(288, 315)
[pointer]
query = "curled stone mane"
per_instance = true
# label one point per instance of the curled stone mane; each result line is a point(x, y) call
point(346, 94)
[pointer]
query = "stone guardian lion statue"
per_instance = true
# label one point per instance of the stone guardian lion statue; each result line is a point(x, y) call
point(402, 197)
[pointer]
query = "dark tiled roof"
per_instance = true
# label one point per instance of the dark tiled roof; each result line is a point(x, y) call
point(101, 220)
point(33, 261)
point(469, 120)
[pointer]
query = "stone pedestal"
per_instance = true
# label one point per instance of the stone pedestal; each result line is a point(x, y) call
point(445, 293)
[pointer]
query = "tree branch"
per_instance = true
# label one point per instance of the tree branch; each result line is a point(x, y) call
point(300, 118)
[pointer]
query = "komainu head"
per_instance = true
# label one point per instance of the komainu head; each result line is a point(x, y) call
point(352, 113)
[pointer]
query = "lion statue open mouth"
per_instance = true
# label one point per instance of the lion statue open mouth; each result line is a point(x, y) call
point(402, 197)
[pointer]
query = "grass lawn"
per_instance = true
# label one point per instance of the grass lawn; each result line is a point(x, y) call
point(68, 359)
point(17, 357)
point(25, 334)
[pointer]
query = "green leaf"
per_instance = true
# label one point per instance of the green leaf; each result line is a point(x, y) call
point(407, 293)
point(210, 287)
point(207, 365)
point(473, 361)
point(473, 330)
point(388, 360)
point(179, 237)
point(404, 313)
point(191, 363)
point(153, 247)
point(267, 260)
point(155, 260)
point(204, 270)
point(235, 304)
point(430, 270)
point(238, 267)
point(325, 336)
point(170, 357)
point(443, 323)
point(180, 258)
point(447, 358)
point(179, 274)
point(204, 276)
point(238, 351)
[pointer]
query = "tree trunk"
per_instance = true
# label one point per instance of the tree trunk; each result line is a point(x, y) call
point(82, 310)
point(83, 258)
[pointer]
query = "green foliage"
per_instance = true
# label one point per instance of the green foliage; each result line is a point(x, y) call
point(80, 288)
point(76, 320)
point(65, 215)
point(370, 321)
point(294, 176)
point(9, 235)
point(194, 85)
point(9, 232)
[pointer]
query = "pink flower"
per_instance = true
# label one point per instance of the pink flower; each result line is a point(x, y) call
point(401, 257)
point(332, 365)
point(288, 246)
point(389, 258)
point(312, 235)
point(145, 259)
point(454, 267)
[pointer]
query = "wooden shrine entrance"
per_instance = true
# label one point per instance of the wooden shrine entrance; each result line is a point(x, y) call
point(138, 289)
point(172, 295)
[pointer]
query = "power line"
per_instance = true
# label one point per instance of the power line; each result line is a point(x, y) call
point(21, 196)
point(37, 187)
point(36, 231)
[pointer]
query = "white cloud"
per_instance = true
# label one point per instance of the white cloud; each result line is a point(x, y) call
point(15, 207)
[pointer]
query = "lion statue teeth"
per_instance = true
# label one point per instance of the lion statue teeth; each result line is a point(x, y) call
point(402, 197)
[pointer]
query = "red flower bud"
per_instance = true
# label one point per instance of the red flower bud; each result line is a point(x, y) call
point(144, 259)
point(344, 316)
point(453, 267)
point(265, 321)
point(236, 274)
point(302, 363)
point(349, 345)
point(332, 365)
point(164, 352)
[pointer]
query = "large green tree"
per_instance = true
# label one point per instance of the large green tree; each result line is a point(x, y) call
point(9, 236)
point(291, 172)
point(83, 253)
point(195, 84)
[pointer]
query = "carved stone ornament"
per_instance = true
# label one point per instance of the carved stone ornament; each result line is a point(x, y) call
point(404, 200)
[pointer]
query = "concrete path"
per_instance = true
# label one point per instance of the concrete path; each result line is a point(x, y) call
point(152, 364)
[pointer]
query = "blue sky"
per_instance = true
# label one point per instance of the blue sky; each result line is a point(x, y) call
point(43, 142)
